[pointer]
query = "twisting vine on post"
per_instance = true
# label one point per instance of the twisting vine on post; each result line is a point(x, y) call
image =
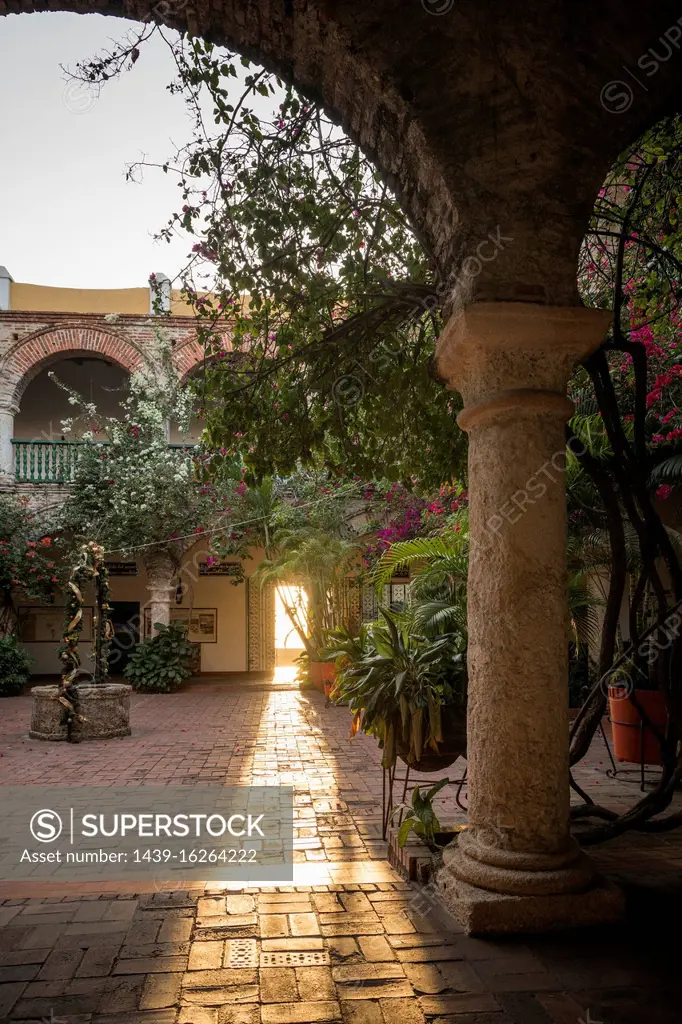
point(89, 568)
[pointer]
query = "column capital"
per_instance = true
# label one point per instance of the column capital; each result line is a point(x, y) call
point(503, 354)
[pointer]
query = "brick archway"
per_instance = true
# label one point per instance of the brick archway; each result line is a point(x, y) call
point(186, 357)
point(33, 354)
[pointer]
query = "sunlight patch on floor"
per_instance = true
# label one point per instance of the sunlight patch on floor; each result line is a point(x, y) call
point(285, 673)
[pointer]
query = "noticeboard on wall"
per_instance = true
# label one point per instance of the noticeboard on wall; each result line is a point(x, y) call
point(122, 568)
point(46, 625)
point(202, 623)
point(220, 568)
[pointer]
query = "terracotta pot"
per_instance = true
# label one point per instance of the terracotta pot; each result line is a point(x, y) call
point(454, 745)
point(322, 675)
point(633, 741)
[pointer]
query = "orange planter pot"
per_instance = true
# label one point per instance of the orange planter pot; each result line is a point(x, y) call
point(322, 676)
point(633, 741)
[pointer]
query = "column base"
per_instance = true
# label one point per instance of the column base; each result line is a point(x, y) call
point(481, 912)
point(518, 872)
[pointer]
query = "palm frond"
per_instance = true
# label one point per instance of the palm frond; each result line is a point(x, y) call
point(447, 550)
point(667, 472)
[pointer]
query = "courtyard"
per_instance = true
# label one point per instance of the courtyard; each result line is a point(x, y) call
point(349, 940)
point(342, 480)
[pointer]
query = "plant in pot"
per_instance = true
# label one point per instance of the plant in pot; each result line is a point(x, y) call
point(161, 663)
point(638, 714)
point(407, 690)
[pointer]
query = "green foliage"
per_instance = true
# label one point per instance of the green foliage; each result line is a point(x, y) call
point(438, 592)
point(28, 563)
point(161, 663)
point(311, 571)
point(305, 261)
point(395, 682)
point(420, 816)
point(15, 666)
point(136, 490)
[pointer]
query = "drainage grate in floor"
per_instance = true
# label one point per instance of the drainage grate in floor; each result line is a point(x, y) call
point(295, 958)
point(241, 953)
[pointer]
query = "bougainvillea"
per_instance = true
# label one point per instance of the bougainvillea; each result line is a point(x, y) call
point(632, 264)
point(29, 563)
point(400, 514)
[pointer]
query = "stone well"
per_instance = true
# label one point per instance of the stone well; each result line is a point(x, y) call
point(105, 708)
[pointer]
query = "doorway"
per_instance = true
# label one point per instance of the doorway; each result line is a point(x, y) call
point(288, 644)
point(125, 619)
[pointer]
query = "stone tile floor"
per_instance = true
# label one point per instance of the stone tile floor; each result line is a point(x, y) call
point(352, 944)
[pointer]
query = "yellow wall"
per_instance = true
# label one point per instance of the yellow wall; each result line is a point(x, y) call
point(228, 654)
point(133, 301)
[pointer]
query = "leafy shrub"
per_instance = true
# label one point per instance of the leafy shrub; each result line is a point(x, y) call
point(15, 666)
point(162, 663)
point(420, 817)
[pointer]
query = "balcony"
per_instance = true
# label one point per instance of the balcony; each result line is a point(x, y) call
point(51, 462)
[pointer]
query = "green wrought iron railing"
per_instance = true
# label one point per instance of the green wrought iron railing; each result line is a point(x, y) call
point(51, 462)
point(45, 462)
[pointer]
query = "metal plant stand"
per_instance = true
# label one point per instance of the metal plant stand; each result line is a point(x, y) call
point(645, 776)
point(390, 778)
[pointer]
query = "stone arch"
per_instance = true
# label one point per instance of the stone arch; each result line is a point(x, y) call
point(488, 125)
point(187, 356)
point(33, 354)
point(308, 43)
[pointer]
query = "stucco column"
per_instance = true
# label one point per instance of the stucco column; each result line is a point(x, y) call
point(161, 568)
point(511, 363)
point(7, 414)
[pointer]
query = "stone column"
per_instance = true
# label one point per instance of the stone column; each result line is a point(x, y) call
point(511, 363)
point(161, 568)
point(7, 414)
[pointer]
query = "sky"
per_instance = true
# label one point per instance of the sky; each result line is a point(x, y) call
point(68, 218)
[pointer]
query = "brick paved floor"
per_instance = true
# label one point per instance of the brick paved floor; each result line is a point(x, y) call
point(353, 944)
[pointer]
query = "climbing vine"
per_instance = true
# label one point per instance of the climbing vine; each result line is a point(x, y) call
point(629, 401)
point(90, 568)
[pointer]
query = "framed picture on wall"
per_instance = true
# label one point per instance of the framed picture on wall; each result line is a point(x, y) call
point(202, 623)
point(46, 625)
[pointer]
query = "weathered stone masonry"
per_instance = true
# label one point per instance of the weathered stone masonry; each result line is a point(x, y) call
point(31, 342)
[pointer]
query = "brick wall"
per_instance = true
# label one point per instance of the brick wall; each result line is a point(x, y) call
point(30, 342)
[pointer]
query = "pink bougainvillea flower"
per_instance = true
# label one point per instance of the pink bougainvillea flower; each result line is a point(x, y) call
point(664, 492)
